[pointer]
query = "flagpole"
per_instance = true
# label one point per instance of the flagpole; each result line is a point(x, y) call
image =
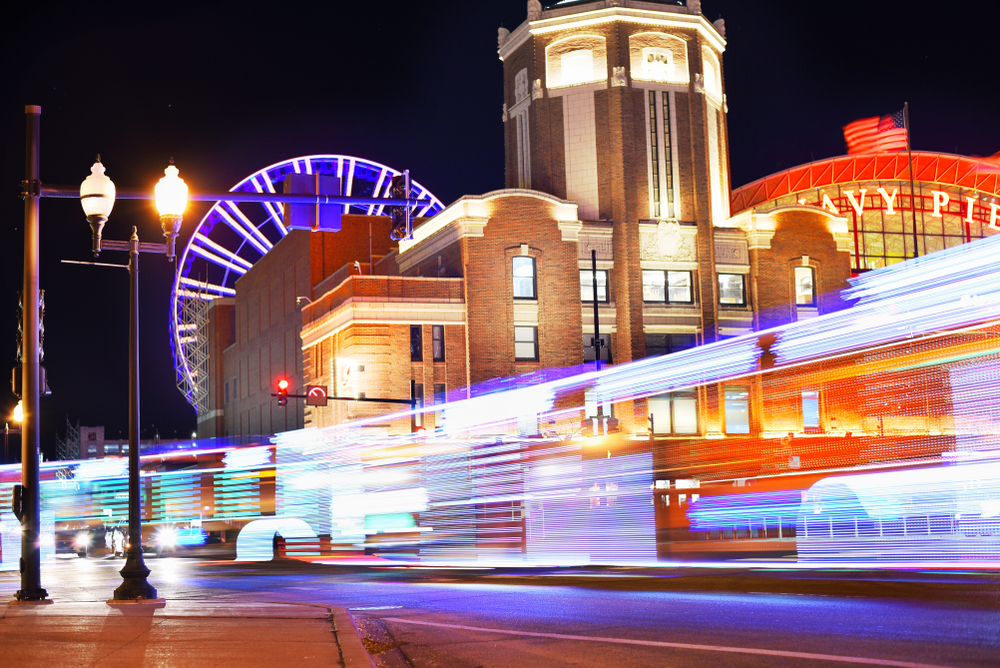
point(913, 195)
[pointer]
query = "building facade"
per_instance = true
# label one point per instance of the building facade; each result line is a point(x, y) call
point(617, 174)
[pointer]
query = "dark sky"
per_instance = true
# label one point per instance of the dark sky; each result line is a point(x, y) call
point(229, 88)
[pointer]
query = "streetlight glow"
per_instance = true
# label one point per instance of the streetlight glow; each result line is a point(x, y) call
point(18, 413)
point(171, 200)
point(97, 196)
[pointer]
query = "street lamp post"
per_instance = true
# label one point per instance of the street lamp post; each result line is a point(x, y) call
point(97, 196)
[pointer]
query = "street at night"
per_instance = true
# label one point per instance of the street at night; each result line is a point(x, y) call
point(593, 617)
point(512, 333)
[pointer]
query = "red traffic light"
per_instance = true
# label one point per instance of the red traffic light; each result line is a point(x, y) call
point(283, 385)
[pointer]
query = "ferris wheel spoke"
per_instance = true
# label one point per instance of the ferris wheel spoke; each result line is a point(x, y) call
point(275, 212)
point(378, 186)
point(218, 290)
point(250, 232)
point(218, 261)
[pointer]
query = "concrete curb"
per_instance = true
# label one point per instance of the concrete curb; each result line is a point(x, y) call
point(353, 650)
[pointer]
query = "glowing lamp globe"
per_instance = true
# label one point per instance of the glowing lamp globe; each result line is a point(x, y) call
point(97, 196)
point(19, 412)
point(171, 200)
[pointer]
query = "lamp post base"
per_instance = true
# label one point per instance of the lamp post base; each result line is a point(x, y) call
point(135, 586)
point(31, 595)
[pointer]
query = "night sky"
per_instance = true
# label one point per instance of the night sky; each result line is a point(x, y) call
point(229, 88)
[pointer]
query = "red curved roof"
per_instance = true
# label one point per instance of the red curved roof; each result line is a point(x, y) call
point(935, 168)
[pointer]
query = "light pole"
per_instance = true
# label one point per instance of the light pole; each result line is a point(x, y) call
point(97, 196)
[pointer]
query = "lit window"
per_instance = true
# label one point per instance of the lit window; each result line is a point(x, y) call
point(673, 287)
point(657, 64)
point(675, 413)
point(418, 395)
point(587, 285)
point(524, 277)
point(577, 67)
point(526, 344)
point(810, 410)
point(737, 410)
point(654, 286)
point(731, 290)
point(679, 287)
point(110, 447)
point(437, 337)
point(805, 286)
point(416, 343)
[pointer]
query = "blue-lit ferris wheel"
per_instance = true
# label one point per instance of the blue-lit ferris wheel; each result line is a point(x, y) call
point(233, 236)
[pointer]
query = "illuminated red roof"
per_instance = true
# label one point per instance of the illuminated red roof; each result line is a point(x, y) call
point(932, 168)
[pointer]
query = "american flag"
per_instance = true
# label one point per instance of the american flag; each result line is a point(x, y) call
point(878, 133)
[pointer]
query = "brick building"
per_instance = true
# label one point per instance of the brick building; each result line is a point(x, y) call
point(616, 150)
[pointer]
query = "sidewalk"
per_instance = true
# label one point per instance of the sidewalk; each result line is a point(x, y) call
point(178, 633)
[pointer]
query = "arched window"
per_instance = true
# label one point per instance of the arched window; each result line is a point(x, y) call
point(659, 57)
point(576, 60)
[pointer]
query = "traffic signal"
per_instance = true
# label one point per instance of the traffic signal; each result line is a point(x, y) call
point(402, 219)
point(283, 392)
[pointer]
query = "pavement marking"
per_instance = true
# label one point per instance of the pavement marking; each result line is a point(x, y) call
point(679, 645)
point(378, 607)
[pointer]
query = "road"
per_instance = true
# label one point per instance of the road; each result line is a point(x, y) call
point(604, 617)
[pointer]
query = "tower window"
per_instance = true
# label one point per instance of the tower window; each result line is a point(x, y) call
point(673, 287)
point(805, 286)
point(524, 277)
point(437, 342)
point(577, 67)
point(737, 410)
point(416, 343)
point(732, 290)
point(587, 285)
point(526, 344)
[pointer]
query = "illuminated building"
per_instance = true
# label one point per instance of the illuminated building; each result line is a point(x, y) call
point(618, 151)
point(957, 200)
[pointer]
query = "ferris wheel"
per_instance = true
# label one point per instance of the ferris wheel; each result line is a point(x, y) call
point(233, 236)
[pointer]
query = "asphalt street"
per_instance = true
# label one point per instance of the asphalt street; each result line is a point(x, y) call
point(603, 617)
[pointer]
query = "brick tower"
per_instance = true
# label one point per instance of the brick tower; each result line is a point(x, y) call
point(620, 106)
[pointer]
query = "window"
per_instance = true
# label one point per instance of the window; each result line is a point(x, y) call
point(675, 413)
point(110, 447)
point(437, 340)
point(732, 291)
point(664, 344)
point(661, 167)
point(588, 348)
point(805, 286)
point(227, 391)
point(587, 285)
point(526, 344)
point(577, 67)
point(737, 410)
point(524, 277)
point(418, 394)
point(810, 410)
point(440, 395)
point(416, 343)
point(672, 287)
